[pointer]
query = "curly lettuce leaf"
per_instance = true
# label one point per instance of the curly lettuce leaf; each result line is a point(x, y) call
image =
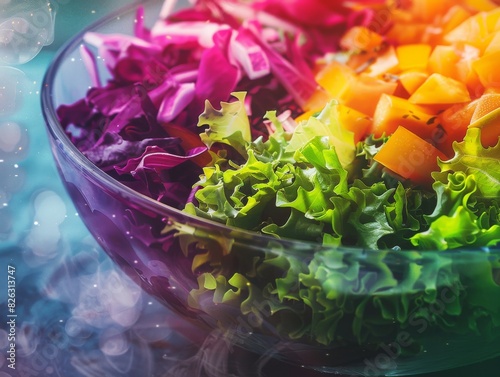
point(459, 230)
point(303, 194)
point(473, 159)
point(326, 124)
point(462, 217)
point(453, 190)
point(229, 125)
point(467, 192)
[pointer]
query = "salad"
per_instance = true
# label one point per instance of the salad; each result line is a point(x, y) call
point(373, 124)
point(354, 126)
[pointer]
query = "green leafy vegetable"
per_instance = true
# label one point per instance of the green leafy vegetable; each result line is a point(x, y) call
point(473, 159)
point(297, 187)
point(326, 124)
point(230, 125)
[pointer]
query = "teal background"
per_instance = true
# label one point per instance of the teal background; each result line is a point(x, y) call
point(62, 329)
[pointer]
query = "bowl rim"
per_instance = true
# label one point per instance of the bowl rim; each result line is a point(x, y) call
point(55, 129)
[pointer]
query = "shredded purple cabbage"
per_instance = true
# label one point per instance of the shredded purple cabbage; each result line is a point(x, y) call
point(161, 78)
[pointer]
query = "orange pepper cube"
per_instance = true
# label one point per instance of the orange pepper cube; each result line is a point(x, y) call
point(443, 60)
point(393, 112)
point(413, 56)
point(387, 62)
point(360, 38)
point(335, 78)
point(476, 30)
point(410, 157)
point(429, 10)
point(439, 89)
point(481, 5)
point(486, 68)
point(494, 45)
point(365, 92)
point(487, 117)
point(412, 79)
point(354, 121)
point(454, 17)
point(344, 85)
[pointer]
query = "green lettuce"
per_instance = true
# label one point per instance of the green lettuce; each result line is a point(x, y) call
point(303, 194)
point(326, 124)
point(468, 193)
point(229, 125)
point(314, 184)
point(473, 159)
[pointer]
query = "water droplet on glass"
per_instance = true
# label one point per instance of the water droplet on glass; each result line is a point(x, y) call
point(25, 28)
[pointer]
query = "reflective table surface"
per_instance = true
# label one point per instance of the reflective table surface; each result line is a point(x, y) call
point(64, 306)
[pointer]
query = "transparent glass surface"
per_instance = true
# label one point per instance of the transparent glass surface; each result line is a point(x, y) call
point(335, 310)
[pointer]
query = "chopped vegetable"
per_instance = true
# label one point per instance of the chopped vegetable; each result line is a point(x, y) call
point(439, 89)
point(410, 156)
point(413, 56)
point(319, 121)
point(393, 112)
point(330, 115)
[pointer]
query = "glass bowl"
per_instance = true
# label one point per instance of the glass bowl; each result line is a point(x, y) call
point(335, 310)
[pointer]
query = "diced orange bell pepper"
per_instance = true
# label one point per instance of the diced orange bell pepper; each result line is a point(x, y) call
point(360, 92)
point(490, 128)
point(439, 89)
point(387, 62)
point(361, 38)
point(413, 79)
point(492, 19)
point(485, 105)
point(410, 157)
point(476, 30)
point(407, 33)
point(458, 117)
point(364, 93)
point(454, 122)
point(473, 30)
point(393, 112)
point(317, 101)
point(354, 121)
point(486, 68)
point(429, 10)
point(481, 5)
point(494, 45)
point(487, 118)
point(465, 70)
point(492, 90)
point(413, 56)
point(454, 17)
point(361, 62)
point(443, 60)
point(336, 78)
